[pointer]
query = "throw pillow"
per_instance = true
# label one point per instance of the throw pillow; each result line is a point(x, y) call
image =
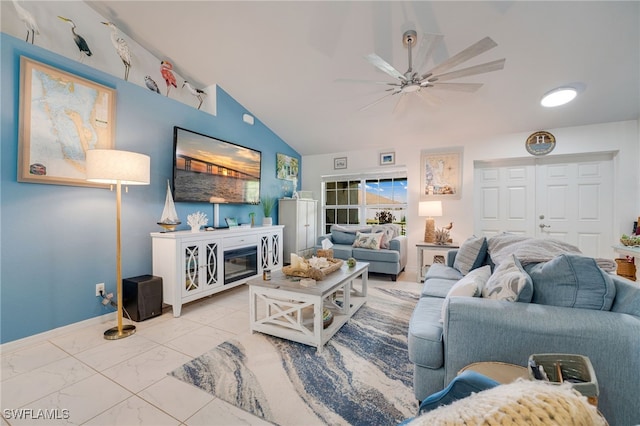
point(509, 282)
point(470, 285)
point(471, 254)
point(572, 281)
point(368, 241)
point(389, 231)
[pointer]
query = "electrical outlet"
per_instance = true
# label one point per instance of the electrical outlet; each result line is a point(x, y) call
point(99, 288)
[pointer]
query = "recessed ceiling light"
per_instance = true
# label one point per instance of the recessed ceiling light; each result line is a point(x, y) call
point(559, 96)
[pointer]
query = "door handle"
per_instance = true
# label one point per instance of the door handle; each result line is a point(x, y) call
point(542, 226)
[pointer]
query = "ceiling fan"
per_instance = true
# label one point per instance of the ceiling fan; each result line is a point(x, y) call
point(414, 82)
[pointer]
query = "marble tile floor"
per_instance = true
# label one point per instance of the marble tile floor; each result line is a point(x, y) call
point(81, 378)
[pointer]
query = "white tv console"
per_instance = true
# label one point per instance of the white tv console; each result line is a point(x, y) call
point(192, 264)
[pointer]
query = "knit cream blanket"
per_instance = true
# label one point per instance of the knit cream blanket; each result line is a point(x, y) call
point(535, 250)
point(524, 402)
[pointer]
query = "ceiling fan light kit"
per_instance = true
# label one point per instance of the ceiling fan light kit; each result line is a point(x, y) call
point(415, 82)
point(558, 96)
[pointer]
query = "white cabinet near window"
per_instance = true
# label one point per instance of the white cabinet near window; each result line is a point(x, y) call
point(300, 218)
point(197, 264)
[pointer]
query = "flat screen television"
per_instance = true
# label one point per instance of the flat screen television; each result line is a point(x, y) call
point(210, 170)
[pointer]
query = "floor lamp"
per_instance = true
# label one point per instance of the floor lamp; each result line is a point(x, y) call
point(118, 168)
point(430, 209)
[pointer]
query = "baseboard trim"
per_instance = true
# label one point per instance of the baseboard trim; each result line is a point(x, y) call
point(47, 335)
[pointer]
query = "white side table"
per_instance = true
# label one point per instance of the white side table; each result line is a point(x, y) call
point(422, 247)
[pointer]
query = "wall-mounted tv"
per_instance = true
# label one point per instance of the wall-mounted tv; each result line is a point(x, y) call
point(210, 170)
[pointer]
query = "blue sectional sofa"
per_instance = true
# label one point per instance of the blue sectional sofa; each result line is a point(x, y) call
point(389, 259)
point(564, 304)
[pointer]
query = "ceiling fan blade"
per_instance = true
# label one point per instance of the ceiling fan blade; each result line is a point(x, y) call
point(354, 80)
point(429, 98)
point(459, 87)
point(401, 105)
point(378, 101)
point(472, 51)
point(477, 69)
point(383, 65)
point(427, 45)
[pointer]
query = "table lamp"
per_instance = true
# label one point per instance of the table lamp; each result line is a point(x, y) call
point(430, 209)
point(118, 168)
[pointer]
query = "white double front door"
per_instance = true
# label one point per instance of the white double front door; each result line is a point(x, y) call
point(569, 198)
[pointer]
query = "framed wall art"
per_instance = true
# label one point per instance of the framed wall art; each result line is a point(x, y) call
point(540, 143)
point(387, 158)
point(340, 163)
point(286, 167)
point(61, 117)
point(441, 174)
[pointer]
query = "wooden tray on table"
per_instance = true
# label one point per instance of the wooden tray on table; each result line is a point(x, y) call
point(317, 274)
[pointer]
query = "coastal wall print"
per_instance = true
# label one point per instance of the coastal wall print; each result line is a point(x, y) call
point(387, 158)
point(61, 117)
point(340, 163)
point(440, 174)
point(286, 167)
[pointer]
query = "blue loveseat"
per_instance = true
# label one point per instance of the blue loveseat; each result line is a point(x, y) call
point(390, 259)
point(555, 311)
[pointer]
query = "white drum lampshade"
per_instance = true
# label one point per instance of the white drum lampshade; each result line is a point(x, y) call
point(110, 166)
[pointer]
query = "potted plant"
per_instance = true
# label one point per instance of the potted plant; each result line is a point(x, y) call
point(267, 207)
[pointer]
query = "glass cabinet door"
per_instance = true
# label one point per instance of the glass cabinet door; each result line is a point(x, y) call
point(211, 265)
point(191, 281)
point(201, 267)
point(269, 251)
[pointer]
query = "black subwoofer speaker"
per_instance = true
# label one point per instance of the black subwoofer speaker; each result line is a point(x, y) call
point(142, 297)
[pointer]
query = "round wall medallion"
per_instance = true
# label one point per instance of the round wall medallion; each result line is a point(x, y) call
point(540, 143)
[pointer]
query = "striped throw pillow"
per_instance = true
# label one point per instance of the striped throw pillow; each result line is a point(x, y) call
point(471, 254)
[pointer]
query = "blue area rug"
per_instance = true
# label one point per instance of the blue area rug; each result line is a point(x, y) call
point(362, 377)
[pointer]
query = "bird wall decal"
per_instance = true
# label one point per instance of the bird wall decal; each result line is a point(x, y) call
point(151, 84)
point(198, 93)
point(121, 48)
point(29, 21)
point(169, 78)
point(78, 39)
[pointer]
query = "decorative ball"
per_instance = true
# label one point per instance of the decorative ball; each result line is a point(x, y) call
point(351, 262)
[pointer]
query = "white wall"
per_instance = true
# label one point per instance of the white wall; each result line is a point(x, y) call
point(623, 137)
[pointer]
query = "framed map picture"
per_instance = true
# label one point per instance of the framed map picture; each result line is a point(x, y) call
point(441, 174)
point(61, 117)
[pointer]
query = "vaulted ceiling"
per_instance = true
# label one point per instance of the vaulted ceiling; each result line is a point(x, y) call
point(281, 60)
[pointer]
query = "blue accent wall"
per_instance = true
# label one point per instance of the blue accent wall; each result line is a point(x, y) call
point(58, 241)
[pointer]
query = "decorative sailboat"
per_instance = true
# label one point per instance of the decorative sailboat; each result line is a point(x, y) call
point(169, 219)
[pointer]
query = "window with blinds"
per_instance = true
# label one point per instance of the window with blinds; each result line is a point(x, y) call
point(366, 198)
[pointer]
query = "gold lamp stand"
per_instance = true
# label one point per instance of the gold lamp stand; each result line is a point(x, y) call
point(118, 168)
point(120, 331)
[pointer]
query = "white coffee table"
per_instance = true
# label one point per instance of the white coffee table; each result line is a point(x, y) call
point(282, 307)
